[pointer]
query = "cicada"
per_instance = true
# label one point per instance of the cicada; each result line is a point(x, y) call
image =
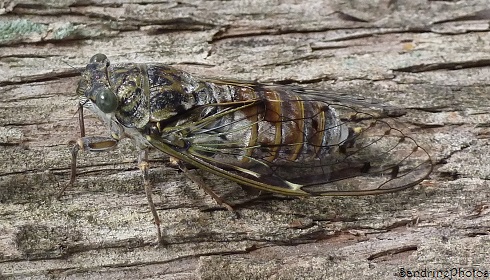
point(286, 140)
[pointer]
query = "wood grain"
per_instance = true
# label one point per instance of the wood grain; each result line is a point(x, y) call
point(430, 57)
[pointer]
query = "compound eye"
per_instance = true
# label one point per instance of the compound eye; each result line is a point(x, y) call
point(106, 100)
point(100, 57)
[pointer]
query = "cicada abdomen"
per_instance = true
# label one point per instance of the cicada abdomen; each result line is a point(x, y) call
point(298, 142)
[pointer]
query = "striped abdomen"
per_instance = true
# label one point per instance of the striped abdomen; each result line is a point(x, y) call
point(286, 127)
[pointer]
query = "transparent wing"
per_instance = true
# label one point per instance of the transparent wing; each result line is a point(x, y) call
point(275, 143)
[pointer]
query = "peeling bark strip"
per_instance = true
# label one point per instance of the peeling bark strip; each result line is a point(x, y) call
point(429, 57)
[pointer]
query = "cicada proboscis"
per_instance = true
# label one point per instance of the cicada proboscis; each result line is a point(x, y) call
point(281, 139)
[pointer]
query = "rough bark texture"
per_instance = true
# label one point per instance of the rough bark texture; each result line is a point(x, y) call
point(431, 57)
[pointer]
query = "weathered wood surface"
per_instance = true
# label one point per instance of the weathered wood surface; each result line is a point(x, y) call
point(432, 57)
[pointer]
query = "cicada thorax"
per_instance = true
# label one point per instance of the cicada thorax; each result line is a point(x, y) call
point(150, 93)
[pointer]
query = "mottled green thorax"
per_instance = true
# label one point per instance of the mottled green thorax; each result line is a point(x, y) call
point(137, 94)
point(149, 92)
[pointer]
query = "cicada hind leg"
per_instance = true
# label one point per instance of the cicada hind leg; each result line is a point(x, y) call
point(198, 181)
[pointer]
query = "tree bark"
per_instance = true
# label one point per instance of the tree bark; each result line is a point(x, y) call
point(431, 58)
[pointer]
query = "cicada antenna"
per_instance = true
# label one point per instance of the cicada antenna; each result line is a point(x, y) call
point(79, 70)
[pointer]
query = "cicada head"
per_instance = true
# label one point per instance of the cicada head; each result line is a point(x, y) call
point(94, 89)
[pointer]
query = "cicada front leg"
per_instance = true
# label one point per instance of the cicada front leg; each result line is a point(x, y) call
point(92, 144)
point(104, 144)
